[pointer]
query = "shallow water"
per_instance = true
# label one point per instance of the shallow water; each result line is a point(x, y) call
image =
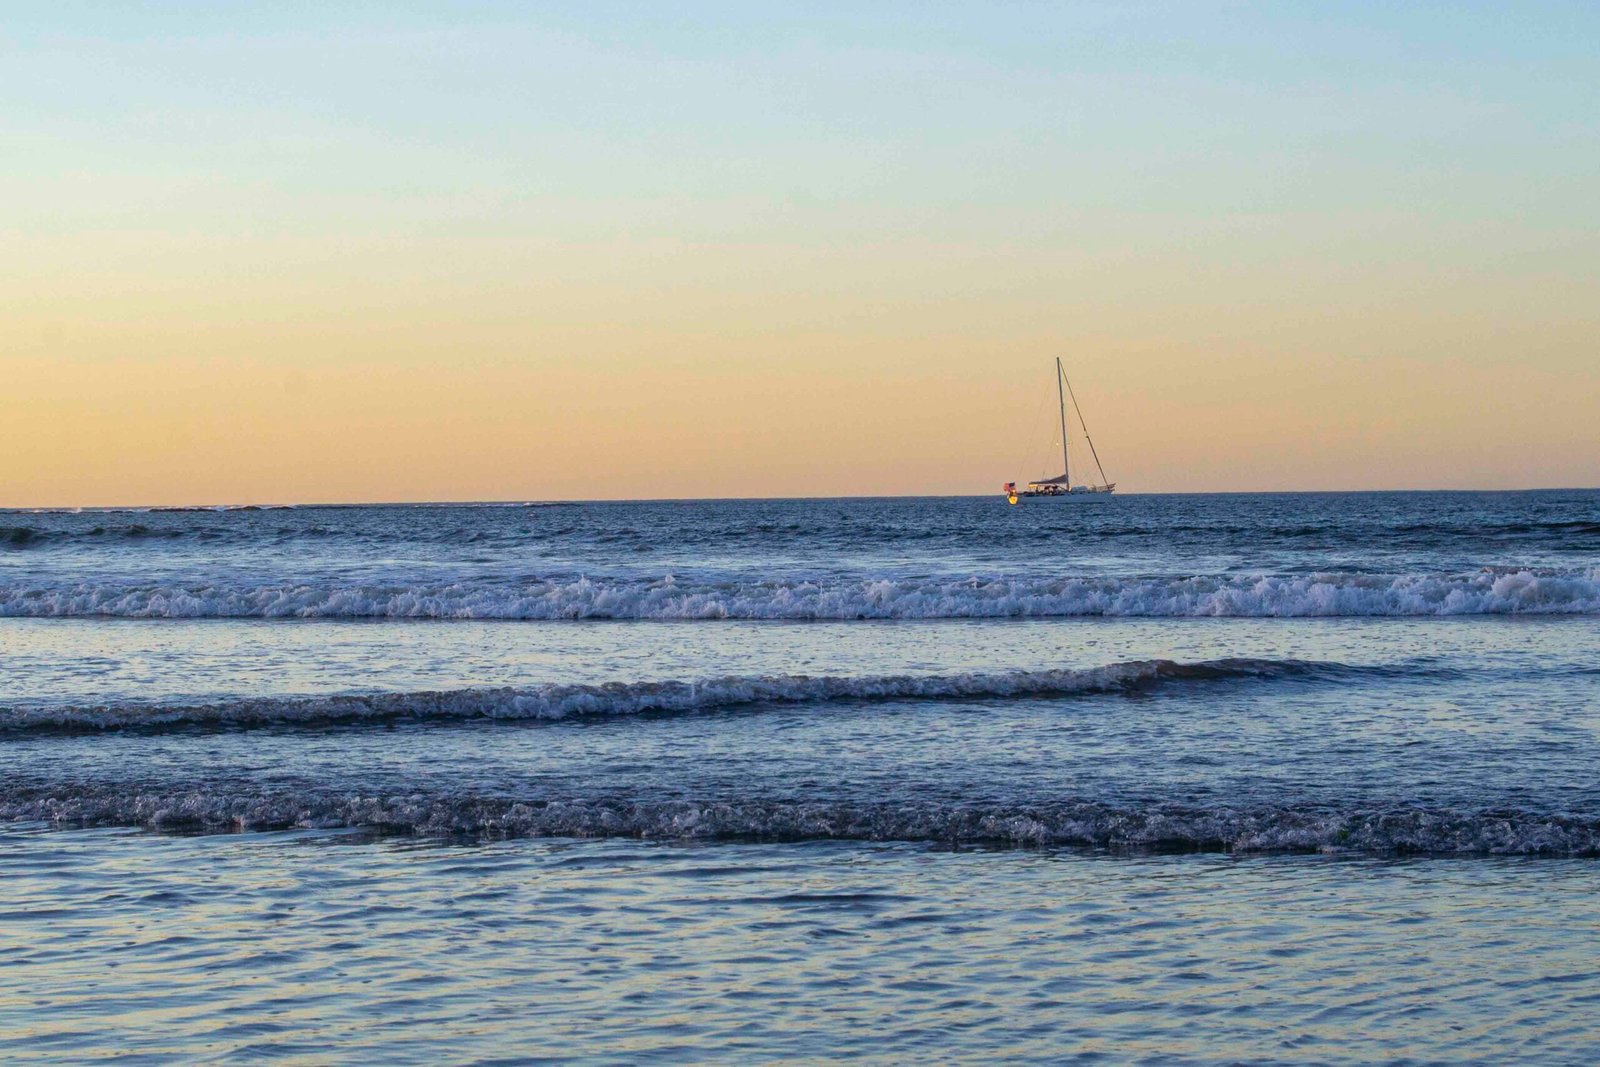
point(1443, 735)
point(320, 946)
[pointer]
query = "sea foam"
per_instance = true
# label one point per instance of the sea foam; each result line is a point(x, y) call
point(1488, 592)
point(1398, 828)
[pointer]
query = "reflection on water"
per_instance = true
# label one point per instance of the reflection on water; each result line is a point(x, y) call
point(292, 946)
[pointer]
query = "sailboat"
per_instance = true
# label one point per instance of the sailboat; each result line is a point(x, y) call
point(1061, 486)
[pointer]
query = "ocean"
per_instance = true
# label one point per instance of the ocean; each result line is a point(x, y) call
point(1163, 778)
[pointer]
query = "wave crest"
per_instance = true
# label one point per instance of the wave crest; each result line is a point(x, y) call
point(1081, 823)
point(634, 698)
point(1488, 592)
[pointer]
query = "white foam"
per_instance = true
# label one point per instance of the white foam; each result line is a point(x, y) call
point(1328, 594)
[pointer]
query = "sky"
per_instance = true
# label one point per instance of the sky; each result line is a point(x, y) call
point(322, 252)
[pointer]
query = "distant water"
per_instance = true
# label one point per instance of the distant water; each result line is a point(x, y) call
point(1333, 554)
point(1303, 776)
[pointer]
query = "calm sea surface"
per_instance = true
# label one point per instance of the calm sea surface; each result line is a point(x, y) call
point(1306, 777)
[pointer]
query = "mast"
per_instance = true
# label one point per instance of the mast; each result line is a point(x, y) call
point(1085, 426)
point(1066, 470)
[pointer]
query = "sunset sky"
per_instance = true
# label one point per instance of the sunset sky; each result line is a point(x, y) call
point(388, 251)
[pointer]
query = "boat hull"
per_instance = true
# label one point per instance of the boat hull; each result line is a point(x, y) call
point(1077, 492)
point(1065, 496)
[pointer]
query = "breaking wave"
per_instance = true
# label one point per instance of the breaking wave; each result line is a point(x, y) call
point(1398, 828)
point(1488, 592)
point(632, 698)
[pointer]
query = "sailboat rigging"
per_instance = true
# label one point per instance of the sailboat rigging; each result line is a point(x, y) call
point(1061, 485)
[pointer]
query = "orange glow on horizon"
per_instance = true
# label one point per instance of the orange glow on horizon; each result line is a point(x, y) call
point(344, 256)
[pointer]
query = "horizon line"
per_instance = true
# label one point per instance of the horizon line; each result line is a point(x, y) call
point(547, 501)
